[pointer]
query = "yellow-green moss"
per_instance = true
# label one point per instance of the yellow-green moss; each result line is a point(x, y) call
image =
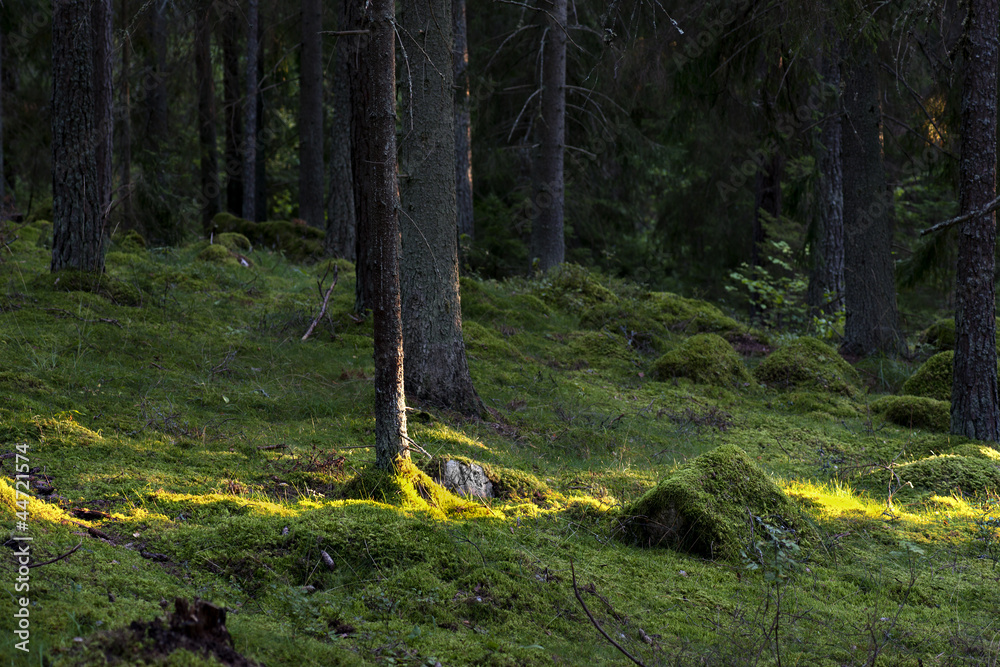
point(707, 507)
point(410, 488)
point(914, 412)
point(705, 359)
point(948, 472)
point(690, 315)
point(597, 349)
point(819, 404)
point(807, 363)
point(216, 254)
point(234, 241)
point(976, 451)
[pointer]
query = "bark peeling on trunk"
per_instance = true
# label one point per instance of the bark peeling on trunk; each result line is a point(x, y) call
point(974, 412)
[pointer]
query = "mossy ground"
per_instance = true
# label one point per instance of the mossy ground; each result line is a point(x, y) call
point(229, 457)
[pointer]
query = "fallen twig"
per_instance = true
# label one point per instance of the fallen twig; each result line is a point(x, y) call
point(576, 591)
point(57, 558)
point(264, 448)
point(104, 320)
point(322, 310)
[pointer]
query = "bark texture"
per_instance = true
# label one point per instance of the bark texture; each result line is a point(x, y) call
point(381, 200)
point(463, 125)
point(233, 109)
point(826, 279)
point(250, 125)
point(437, 371)
point(77, 235)
point(311, 116)
point(548, 243)
point(2, 178)
point(361, 140)
point(974, 411)
point(207, 139)
point(340, 216)
point(125, 142)
point(101, 17)
point(872, 324)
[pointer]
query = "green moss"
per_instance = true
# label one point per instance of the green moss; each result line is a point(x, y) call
point(22, 382)
point(807, 363)
point(216, 254)
point(819, 403)
point(129, 242)
point(948, 472)
point(941, 334)
point(70, 280)
point(410, 488)
point(933, 378)
point(690, 316)
point(597, 349)
point(234, 241)
point(508, 483)
point(914, 412)
point(705, 359)
point(707, 506)
point(297, 242)
point(571, 286)
point(976, 451)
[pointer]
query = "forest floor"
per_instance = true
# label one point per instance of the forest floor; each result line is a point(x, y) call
point(187, 444)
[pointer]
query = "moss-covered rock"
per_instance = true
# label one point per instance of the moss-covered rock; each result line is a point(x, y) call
point(234, 241)
point(705, 359)
point(690, 316)
point(914, 412)
point(948, 472)
point(819, 404)
point(508, 483)
point(808, 363)
point(709, 507)
point(941, 334)
point(216, 254)
point(412, 489)
point(297, 242)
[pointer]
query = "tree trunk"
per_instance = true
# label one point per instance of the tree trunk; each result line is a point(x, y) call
point(101, 17)
point(250, 127)
point(826, 279)
point(77, 236)
point(463, 126)
point(340, 219)
point(158, 122)
point(381, 200)
point(206, 119)
point(361, 129)
point(3, 192)
point(974, 411)
point(548, 244)
point(233, 110)
point(260, 178)
point(125, 143)
point(437, 372)
point(767, 203)
point(869, 286)
point(311, 116)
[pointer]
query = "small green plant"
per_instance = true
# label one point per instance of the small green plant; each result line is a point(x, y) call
point(988, 530)
point(772, 550)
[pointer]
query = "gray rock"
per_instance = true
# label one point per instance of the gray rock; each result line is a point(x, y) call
point(466, 479)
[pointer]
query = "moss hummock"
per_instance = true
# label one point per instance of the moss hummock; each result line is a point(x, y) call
point(705, 359)
point(933, 378)
point(808, 363)
point(915, 412)
point(297, 242)
point(967, 475)
point(708, 507)
point(690, 315)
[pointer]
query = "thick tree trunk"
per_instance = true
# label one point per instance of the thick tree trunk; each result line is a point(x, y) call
point(381, 200)
point(463, 126)
point(974, 411)
point(233, 110)
point(437, 372)
point(548, 243)
point(869, 286)
point(125, 143)
point(361, 133)
point(340, 218)
point(101, 17)
point(826, 279)
point(311, 116)
point(77, 236)
point(250, 126)
point(206, 119)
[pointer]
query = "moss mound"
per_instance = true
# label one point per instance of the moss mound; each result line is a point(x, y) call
point(690, 315)
point(933, 378)
point(597, 349)
point(808, 363)
point(941, 335)
point(411, 489)
point(297, 242)
point(707, 507)
point(976, 451)
point(71, 280)
point(130, 242)
point(948, 472)
point(705, 359)
point(571, 286)
point(234, 241)
point(915, 412)
point(216, 254)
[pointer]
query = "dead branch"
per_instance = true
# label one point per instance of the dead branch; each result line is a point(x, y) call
point(989, 208)
point(66, 313)
point(576, 591)
point(57, 558)
point(322, 310)
point(264, 448)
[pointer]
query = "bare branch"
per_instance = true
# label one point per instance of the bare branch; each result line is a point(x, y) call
point(57, 558)
point(322, 310)
point(989, 208)
point(597, 625)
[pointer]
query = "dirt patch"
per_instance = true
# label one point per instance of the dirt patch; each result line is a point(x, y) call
point(748, 346)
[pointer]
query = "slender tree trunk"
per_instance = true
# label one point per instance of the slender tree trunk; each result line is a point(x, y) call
point(436, 368)
point(311, 116)
point(250, 127)
point(233, 110)
point(77, 236)
point(381, 200)
point(869, 286)
point(826, 280)
point(206, 118)
point(548, 243)
point(125, 144)
point(767, 202)
point(340, 219)
point(101, 19)
point(463, 126)
point(361, 132)
point(158, 121)
point(974, 411)
point(260, 179)
point(3, 192)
